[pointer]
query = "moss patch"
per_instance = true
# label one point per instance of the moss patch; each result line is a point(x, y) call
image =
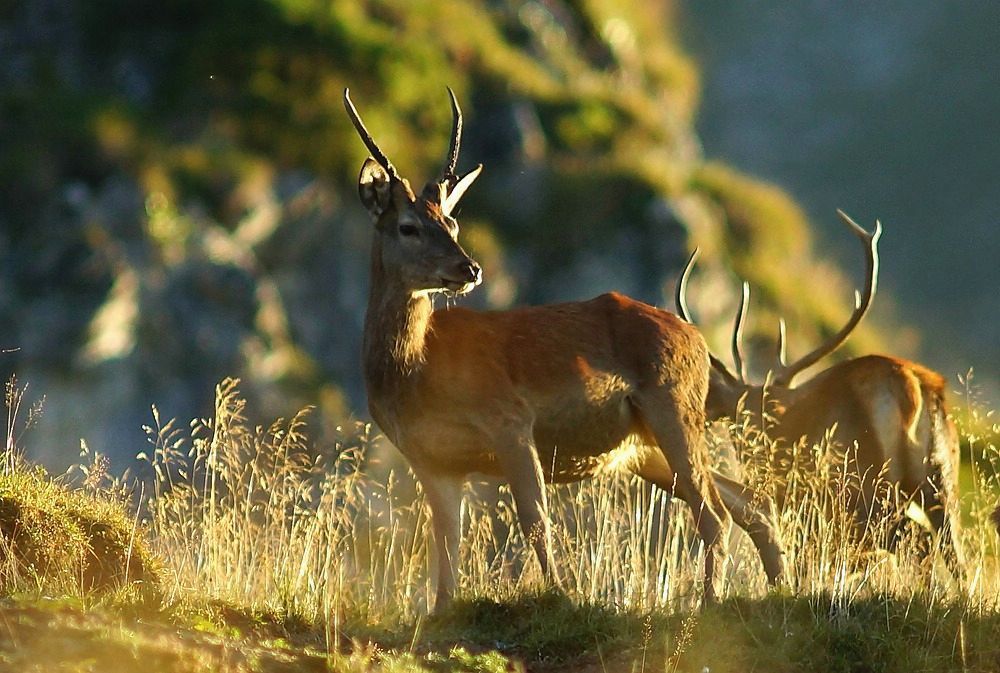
point(55, 538)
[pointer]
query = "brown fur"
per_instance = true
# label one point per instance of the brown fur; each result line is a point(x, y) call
point(562, 392)
point(892, 410)
point(895, 412)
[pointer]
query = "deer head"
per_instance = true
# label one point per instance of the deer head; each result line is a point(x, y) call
point(416, 247)
point(728, 389)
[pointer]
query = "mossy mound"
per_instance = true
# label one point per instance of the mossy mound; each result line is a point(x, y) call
point(55, 538)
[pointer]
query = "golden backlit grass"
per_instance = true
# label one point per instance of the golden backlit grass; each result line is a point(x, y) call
point(254, 515)
point(279, 554)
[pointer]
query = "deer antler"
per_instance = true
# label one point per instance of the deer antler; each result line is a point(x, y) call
point(741, 315)
point(784, 374)
point(366, 137)
point(781, 353)
point(448, 177)
point(680, 294)
point(680, 299)
point(450, 186)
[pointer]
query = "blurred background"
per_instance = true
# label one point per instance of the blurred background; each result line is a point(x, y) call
point(889, 111)
point(178, 183)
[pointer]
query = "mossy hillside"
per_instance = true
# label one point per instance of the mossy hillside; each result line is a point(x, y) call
point(56, 538)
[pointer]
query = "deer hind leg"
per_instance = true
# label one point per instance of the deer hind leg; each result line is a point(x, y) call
point(940, 507)
point(681, 441)
point(751, 511)
point(754, 513)
point(444, 496)
point(951, 547)
point(944, 480)
point(519, 463)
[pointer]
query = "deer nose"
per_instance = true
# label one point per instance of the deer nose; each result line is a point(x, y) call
point(473, 271)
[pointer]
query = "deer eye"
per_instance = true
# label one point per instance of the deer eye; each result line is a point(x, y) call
point(407, 230)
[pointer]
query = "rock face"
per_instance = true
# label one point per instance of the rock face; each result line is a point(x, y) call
point(177, 190)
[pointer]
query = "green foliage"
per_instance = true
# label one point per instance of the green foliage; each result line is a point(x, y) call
point(40, 537)
point(761, 219)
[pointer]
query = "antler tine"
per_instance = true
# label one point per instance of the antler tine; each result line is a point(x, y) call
point(456, 141)
point(862, 302)
point(366, 137)
point(680, 294)
point(680, 299)
point(781, 352)
point(741, 315)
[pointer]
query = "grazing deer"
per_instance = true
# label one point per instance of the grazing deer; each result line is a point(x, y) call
point(893, 410)
point(550, 393)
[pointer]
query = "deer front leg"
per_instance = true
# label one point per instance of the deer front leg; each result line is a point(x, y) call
point(519, 462)
point(444, 496)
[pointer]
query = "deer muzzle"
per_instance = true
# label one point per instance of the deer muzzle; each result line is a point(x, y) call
point(466, 275)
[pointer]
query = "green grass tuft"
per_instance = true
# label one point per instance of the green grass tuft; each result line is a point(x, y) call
point(544, 626)
point(60, 540)
point(877, 633)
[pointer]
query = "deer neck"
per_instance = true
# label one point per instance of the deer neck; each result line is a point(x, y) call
point(396, 325)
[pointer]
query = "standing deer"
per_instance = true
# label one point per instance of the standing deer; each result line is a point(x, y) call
point(552, 393)
point(893, 410)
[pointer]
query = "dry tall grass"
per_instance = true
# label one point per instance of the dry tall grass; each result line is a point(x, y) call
point(254, 515)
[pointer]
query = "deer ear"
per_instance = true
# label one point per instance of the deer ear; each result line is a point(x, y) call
point(374, 187)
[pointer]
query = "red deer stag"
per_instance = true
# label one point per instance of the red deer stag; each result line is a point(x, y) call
point(550, 393)
point(893, 410)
